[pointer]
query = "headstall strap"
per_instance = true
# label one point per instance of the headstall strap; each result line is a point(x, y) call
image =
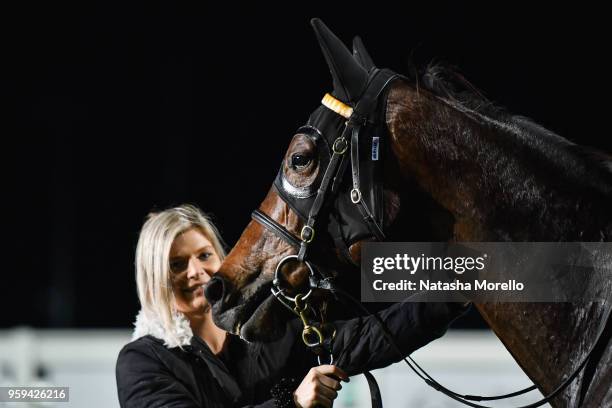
point(308, 231)
point(319, 336)
point(363, 114)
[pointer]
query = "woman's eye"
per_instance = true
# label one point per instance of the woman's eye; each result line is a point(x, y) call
point(300, 161)
point(205, 255)
point(178, 266)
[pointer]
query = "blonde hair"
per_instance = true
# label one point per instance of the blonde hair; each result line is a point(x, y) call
point(153, 278)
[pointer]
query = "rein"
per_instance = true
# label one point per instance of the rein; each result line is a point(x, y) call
point(319, 336)
point(465, 399)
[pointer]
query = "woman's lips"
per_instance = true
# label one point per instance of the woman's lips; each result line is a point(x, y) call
point(196, 290)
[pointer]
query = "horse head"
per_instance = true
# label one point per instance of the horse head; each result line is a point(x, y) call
point(296, 213)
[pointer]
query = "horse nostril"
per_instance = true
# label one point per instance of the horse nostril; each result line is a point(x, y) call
point(214, 289)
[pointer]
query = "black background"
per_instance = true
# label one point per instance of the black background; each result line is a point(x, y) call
point(112, 109)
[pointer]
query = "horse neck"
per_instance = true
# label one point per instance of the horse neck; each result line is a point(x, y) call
point(487, 175)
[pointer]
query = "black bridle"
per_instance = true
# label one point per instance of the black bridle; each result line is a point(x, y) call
point(319, 338)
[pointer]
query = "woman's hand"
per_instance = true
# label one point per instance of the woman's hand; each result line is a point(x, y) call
point(320, 387)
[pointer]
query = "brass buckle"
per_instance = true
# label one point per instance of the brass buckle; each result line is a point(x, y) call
point(340, 145)
point(307, 234)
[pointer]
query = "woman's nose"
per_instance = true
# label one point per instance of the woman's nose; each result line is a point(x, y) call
point(197, 270)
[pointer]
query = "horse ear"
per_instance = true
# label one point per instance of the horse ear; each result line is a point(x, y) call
point(361, 54)
point(350, 78)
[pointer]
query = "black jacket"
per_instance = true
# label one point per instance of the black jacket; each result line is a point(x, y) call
point(150, 374)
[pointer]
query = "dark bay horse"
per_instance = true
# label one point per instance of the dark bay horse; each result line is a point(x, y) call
point(455, 168)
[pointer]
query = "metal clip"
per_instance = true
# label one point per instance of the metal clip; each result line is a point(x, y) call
point(355, 196)
point(340, 145)
point(309, 331)
point(307, 234)
point(301, 308)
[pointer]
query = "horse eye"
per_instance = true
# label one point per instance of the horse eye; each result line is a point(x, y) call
point(300, 161)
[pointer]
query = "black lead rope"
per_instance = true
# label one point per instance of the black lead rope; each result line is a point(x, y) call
point(375, 394)
point(374, 390)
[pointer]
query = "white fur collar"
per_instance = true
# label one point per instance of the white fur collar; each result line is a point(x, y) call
point(145, 325)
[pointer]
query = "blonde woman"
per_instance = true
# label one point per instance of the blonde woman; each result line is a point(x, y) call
point(179, 358)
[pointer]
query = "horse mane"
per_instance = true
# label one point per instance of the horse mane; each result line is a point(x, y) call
point(446, 82)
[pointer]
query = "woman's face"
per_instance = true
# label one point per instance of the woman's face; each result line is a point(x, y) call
point(193, 261)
